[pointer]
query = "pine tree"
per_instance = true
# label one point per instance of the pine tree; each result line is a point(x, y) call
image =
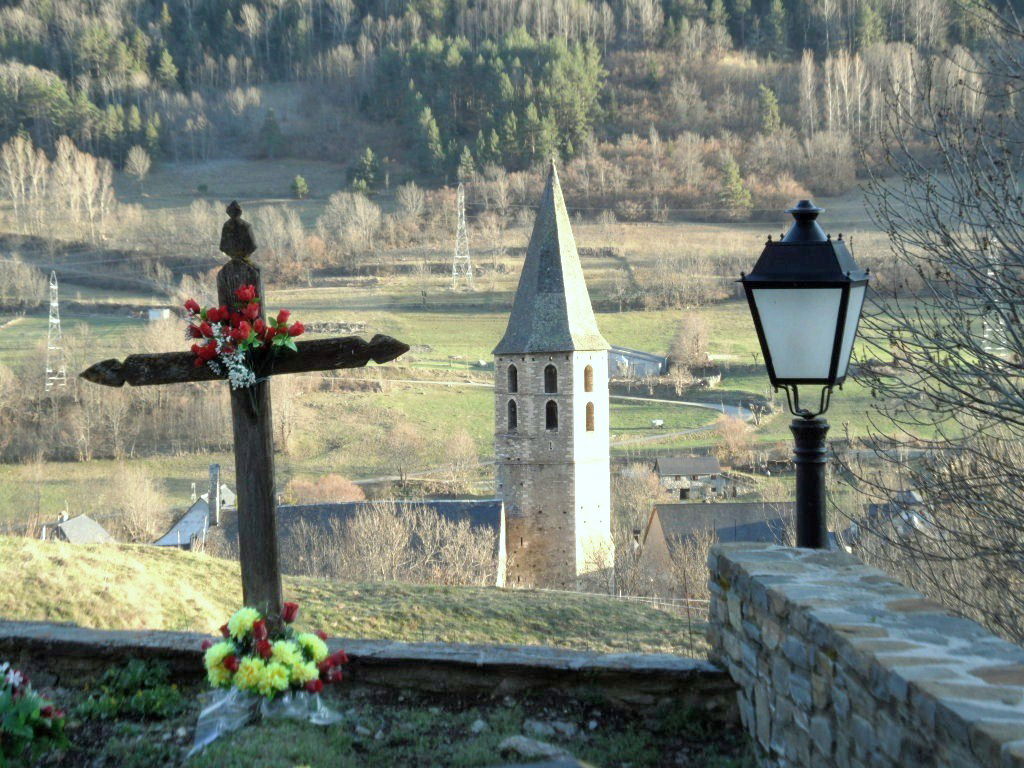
point(153, 135)
point(870, 27)
point(133, 123)
point(480, 149)
point(510, 147)
point(733, 196)
point(717, 13)
point(300, 188)
point(770, 119)
point(366, 171)
point(467, 165)
point(432, 150)
point(270, 138)
point(530, 132)
point(166, 71)
point(776, 36)
point(547, 139)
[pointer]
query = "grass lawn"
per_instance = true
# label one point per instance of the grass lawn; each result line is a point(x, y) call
point(133, 587)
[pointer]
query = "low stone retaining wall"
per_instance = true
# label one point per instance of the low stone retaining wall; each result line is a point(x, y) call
point(63, 652)
point(839, 665)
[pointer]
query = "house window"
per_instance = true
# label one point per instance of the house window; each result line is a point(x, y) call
point(513, 379)
point(513, 416)
point(550, 379)
point(590, 417)
point(551, 415)
point(588, 379)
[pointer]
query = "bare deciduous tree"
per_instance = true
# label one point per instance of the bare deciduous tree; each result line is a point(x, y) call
point(951, 396)
point(138, 164)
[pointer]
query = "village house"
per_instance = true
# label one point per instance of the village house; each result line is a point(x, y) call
point(81, 529)
point(673, 524)
point(191, 529)
point(690, 477)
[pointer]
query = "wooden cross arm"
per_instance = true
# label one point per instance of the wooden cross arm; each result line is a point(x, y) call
point(180, 367)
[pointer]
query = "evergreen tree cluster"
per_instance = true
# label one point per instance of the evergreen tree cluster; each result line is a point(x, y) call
point(508, 82)
point(512, 102)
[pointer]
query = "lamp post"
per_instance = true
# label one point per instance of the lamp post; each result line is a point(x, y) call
point(806, 294)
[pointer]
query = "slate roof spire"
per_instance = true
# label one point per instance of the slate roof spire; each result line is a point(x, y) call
point(551, 311)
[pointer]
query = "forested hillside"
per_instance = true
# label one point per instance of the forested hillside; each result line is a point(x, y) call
point(653, 101)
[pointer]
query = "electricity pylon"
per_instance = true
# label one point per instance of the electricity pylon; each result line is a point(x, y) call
point(462, 265)
point(56, 369)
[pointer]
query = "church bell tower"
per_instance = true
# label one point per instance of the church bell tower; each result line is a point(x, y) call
point(551, 416)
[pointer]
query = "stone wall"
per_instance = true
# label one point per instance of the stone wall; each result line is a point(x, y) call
point(839, 665)
point(65, 654)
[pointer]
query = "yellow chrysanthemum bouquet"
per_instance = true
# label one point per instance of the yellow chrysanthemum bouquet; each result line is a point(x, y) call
point(277, 673)
point(249, 659)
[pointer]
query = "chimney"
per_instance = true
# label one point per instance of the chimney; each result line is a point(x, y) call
point(215, 494)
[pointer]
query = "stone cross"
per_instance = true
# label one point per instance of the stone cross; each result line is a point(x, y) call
point(250, 410)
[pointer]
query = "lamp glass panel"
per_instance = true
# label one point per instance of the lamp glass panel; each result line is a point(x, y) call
point(799, 327)
point(853, 309)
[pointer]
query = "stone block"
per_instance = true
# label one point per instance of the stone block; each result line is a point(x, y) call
point(800, 692)
point(821, 734)
point(795, 649)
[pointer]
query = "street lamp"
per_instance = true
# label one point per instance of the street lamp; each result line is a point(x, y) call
point(806, 294)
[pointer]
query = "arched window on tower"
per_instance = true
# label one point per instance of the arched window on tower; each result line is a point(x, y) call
point(590, 417)
point(551, 415)
point(588, 379)
point(550, 379)
point(513, 416)
point(513, 379)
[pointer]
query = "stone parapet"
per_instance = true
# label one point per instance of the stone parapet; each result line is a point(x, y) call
point(839, 665)
point(57, 653)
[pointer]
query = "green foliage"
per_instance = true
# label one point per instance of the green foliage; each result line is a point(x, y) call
point(870, 25)
point(364, 174)
point(432, 155)
point(270, 138)
point(776, 40)
point(467, 165)
point(300, 188)
point(138, 690)
point(28, 724)
point(166, 70)
point(733, 196)
point(473, 90)
point(769, 103)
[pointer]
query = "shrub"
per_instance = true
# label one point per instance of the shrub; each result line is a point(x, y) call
point(29, 724)
point(300, 188)
point(138, 690)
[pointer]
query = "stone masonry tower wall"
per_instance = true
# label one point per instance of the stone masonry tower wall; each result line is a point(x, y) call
point(551, 416)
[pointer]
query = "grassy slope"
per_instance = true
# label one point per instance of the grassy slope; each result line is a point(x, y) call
point(124, 586)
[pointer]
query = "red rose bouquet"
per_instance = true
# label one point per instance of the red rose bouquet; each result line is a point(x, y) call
point(226, 337)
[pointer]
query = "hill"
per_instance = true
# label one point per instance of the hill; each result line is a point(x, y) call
point(135, 586)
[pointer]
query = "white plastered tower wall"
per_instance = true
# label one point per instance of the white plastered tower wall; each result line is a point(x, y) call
point(554, 474)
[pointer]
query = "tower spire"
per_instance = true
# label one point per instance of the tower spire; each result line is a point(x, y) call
point(551, 311)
